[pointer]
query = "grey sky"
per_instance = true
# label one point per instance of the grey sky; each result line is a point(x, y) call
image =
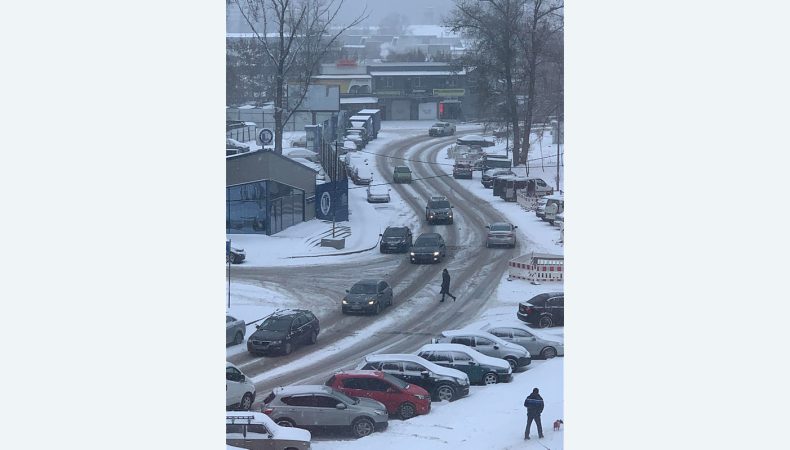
point(418, 12)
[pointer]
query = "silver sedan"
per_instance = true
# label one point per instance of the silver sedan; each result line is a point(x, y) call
point(538, 345)
point(234, 330)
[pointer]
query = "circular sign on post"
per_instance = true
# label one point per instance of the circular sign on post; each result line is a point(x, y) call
point(326, 203)
point(266, 136)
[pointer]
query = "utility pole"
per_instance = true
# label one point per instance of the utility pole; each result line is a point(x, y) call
point(334, 180)
point(559, 142)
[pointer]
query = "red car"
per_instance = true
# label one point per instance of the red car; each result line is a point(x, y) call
point(401, 398)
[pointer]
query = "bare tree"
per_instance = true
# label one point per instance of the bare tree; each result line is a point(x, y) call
point(544, 24)
point(493, 26)
point(295, 36)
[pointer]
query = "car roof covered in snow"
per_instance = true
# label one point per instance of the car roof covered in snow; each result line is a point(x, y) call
point(433, 367)
point(303, 389)
point(496, 362)
point(369, 281)
point(487, 324)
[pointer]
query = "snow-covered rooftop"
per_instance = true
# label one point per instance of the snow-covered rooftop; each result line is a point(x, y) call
point(415, 73)
point(342, 77)
point(435, 368)
point(477, 356)
point(358, 100)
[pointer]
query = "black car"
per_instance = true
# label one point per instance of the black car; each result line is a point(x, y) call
point(488, 176)
point(429, 247)
point(235, 255)
point(443, 383)
point(283, 330)
point(439, 211)
point(369, 295)
point(395, 239)
point(543, 310)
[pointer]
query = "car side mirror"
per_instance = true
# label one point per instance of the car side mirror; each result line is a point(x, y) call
point(340, 406)
point(425, 374)
point(488, 226)
point(472, 363)
point(496, 347)
point(242, 377)
point(381, 235)
point(391, 390)
point(515, 226)
point(347, 291)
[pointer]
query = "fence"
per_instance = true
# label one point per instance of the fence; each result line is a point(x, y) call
point(243, 134)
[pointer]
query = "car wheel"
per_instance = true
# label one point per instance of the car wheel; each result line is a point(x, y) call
point(288, 348)
point(238, 339)
point(513, 362)
point(246, 402)
point(362, 427)
point(406, 411)
point(285, 423)
point(545, 322)
point(445, 392)
point(313, 338)
point(548, 353)
point(490, 378)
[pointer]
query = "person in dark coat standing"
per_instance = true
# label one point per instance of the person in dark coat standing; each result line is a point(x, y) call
point(446, 285)
point(534, 404)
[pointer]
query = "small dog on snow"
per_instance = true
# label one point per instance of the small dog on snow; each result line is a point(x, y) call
point(557, 424)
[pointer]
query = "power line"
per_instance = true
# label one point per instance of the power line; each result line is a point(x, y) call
point(442, 164)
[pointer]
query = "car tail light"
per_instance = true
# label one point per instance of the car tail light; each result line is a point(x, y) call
point(267, 411)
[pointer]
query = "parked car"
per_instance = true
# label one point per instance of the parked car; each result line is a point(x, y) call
point(540, 208)
point(234, 330)
point(555, 204)
point(235, 255)
point(462, 170)
point(479, 367)
point(404, 399)
point(441, 129)
point(283, 330)
point(517, 332)
point(378, 194)
point(402, 174)
point(239, 390)
point(501, 233)
point(442, 382)
point(369, 295)
point(543, 310)
point(488, 176)
point(429, 247)
point(439, 211)
point(321, 407)
point(358, 178)
point(395, 239)
point(257, 431)
point(486, 343)
point(236, 145)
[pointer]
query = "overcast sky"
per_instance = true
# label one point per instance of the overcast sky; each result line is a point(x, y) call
point(418, 12)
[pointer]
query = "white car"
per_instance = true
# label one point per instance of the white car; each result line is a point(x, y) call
point(378, 194)
point(239, 390)
point(486, 343)
point(256, 431)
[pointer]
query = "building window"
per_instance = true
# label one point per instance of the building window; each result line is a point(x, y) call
point(388, 82)
point(417, 82)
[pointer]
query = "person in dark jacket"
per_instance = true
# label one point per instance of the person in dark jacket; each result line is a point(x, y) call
point(534, 404)
point(446, 285)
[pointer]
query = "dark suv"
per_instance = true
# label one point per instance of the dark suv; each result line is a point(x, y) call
point(395, 239)
point(439, 211)
point(283, 330)
point(543, 310)
point(488, 176)
point(429, 247)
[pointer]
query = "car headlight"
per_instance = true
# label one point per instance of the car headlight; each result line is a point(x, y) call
point(277, 342)
point(345, 302)
point(435, 253)
point(412, 253)
point(370, 302)
point(381, 413)
point(463, 381)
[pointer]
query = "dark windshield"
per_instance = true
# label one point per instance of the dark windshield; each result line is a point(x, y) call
point(402, 169)
point(347, 399)
point(395, 232)
point(360, 288)
point(426, 242)
point(438, 124)
point(438, 204)
point(276, 323)
point(396, 381)
point(500, 227)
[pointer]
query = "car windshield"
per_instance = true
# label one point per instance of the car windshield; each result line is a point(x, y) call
point(500, 227)
point(396, 381)
point(438, 124)
point(361, 288)
point(395, 232)
point(346, 398)
point(426, 242)
point(438, 204)
point(402, 170)
point(276, 324)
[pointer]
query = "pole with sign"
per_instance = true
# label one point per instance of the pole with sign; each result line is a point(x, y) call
point(227, 258)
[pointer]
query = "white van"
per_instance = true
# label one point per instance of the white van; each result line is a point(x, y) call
point(256, 431)
point(239, 390)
